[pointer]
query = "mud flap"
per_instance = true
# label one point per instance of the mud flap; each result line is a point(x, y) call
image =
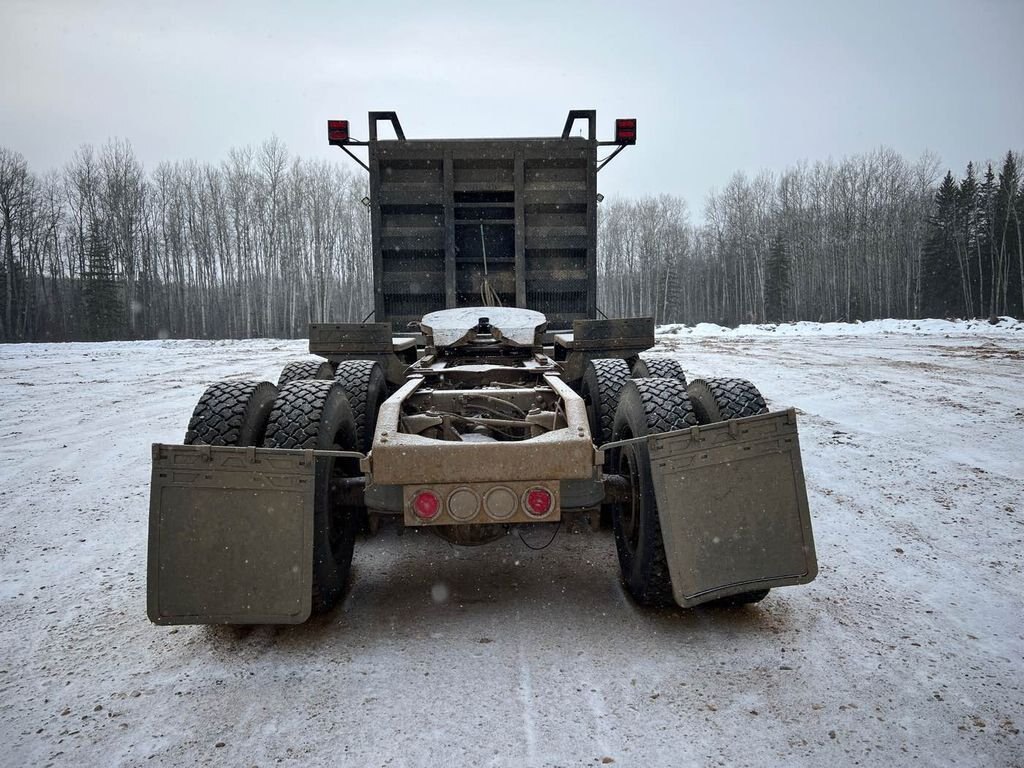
point(230, 535)
point(733, 507)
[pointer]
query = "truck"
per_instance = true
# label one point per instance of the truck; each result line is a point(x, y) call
point(485, 394)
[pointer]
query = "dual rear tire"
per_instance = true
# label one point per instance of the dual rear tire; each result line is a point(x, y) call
point(301, 414)
point(649, 406)
point(646, 407)
point(315, 414)
point(363, 381)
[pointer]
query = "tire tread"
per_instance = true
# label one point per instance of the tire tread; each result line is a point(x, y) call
point(667, 407)
point(365, 385)
point(664, 406)
point(721, 399)
point(605, 377)
point(231, 413)
point(659, 367)
point(296, 422)
point(299, 370)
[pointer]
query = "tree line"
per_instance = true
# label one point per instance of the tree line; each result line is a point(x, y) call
point(974, 252)
point(263, 243)
point(258, 245)
point(870, 236)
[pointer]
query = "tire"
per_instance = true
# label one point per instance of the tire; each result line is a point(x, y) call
point(660, 368)
point(231, 413)
point(303, 370)
point(316, 414)
point(602, 382)
point(646, 407)
point(717, 400)
point(366, 387)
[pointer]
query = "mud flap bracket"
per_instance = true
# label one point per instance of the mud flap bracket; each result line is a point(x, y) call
point(733, 507)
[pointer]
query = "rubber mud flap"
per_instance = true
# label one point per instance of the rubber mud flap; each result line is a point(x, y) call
point(230, 535)
point(733, 507)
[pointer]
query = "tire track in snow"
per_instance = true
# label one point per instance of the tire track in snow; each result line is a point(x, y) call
point(526, 698)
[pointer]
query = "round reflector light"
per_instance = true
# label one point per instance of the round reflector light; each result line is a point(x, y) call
point(500, 503)
point(426, 505)
point(463, 504)
point(538, 501)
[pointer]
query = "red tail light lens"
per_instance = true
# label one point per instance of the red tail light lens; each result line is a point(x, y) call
point(337, 132)
point(426, 505)
point(538, 501)
point(625, 130)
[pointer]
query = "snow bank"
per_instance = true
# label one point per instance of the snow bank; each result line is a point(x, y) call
point(1007, 326)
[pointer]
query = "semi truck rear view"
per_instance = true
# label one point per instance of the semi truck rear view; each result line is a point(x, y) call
point(486, 393)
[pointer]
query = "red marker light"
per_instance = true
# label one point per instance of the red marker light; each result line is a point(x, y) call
point(426, 505)
point(337, 132)
point(625, 130)
point(538, 501)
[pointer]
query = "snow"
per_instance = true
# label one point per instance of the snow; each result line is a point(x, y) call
point(907, 649)
point(1004, 327)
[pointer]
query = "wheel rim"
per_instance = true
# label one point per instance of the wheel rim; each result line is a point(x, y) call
point(629, 512)
point(334, 509)
point(588, 403)
point(337, 472)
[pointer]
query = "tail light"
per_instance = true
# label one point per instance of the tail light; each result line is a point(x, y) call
point(337, 132)
point(426, 505)
point(625, 130)
point(538, 502)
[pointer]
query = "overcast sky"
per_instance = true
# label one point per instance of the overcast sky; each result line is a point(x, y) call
point(716, 86)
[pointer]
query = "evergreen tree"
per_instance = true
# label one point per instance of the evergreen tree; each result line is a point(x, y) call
point(104, 307)
point(940, 271)
point(987, 234)
point(968, 238)
point(1006, 236)
point(1018, 227)
point(778, 280)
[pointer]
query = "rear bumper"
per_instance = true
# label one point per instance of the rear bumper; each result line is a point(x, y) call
point(402, 464)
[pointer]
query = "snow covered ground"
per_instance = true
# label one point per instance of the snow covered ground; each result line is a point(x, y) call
point(1004, 327)
point(907, 650)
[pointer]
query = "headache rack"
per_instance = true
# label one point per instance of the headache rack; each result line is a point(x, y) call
point(465, 222)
